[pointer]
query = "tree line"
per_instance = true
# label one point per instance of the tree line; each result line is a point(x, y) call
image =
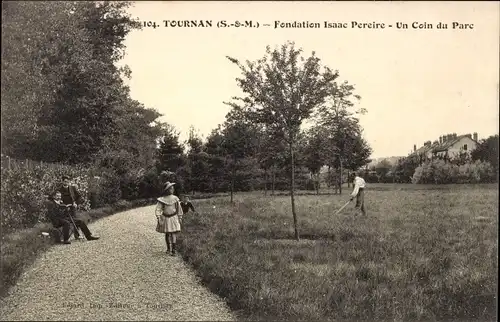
point(262, 144)
point(263, 133)
point(64, 101)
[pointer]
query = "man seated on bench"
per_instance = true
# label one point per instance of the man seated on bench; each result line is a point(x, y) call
point(60, 216)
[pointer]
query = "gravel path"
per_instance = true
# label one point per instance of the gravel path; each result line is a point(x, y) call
point(125, 275)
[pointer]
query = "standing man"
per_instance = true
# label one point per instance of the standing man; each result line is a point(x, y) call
point(359, 193)
point(70, 196)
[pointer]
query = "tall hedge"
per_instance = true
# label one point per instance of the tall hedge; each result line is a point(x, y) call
point(24, 192)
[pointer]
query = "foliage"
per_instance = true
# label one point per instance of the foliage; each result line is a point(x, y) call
point(441, 172)
point(281, 90)
point(64, 55)
point(239, 143)
point(40, 43)
point(384, 171)
point(24, 192)
point(197, 166)
point(487, 151)
point(405, 168)
point(312, 151)
point(109, 189)
point(339, 126)
point(150, 184)
point(170, 151)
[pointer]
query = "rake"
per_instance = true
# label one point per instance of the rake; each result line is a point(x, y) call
point(341, 208)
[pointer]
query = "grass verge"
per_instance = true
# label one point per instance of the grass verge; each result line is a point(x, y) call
point(419, 255)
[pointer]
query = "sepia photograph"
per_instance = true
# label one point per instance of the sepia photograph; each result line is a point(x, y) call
point(249, 160)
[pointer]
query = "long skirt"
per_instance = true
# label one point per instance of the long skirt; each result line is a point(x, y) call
point(169, 224)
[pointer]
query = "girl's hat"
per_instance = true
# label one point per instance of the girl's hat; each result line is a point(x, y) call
point(168, 185)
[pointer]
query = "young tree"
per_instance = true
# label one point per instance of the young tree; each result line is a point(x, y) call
point(271, 155)
point(170, 151)
point(238, 141)
point(198, 163)
point(217, 162)
point(313, 153)
point(345, 147)
point(281, 90)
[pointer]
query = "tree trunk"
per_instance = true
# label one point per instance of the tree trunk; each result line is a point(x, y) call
point(317, 184)
point(292, 188)
point(232, 183)
point(340, 178)
point(265, 183)
point(328, 176)
point(348, 179)
point(274, 181)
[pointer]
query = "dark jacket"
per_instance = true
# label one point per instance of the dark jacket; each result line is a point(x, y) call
point(74, 194)
point(186, 206)
point(56, 212)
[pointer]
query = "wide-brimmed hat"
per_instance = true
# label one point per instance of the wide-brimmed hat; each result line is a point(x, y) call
point(168, 185)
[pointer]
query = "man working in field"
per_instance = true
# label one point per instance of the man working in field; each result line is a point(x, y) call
point(359, 193)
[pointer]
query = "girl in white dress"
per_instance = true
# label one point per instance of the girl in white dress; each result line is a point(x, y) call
point(169, 214)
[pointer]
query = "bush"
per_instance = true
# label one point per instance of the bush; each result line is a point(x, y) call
point(309, 184)
point(150, 185)
point(24, 189)
point(371, 178)
point(441, 172)
point(24, 192)
point(129, 185)
point(105, 189)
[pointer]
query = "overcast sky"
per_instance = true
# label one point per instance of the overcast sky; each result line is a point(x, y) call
point(415, 84)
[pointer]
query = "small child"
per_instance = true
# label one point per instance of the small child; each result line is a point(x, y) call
point(186, 204)
point(169, 214)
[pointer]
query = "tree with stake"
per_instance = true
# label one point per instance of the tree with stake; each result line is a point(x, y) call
point(282, 89)
point(313, 154)
point(271, 156)
point(238, 141)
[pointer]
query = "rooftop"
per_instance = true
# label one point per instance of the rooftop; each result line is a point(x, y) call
point(443, 143)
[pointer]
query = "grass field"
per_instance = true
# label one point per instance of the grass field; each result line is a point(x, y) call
point(422, 253)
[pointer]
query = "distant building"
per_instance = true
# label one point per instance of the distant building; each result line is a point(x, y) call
point(449, 145)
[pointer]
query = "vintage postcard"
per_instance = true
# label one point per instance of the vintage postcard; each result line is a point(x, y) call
point(250, 160)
